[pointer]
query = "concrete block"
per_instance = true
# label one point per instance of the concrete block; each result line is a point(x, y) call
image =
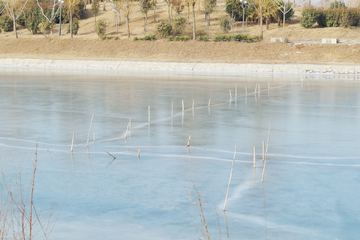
point(279, 39)
point(330, 40)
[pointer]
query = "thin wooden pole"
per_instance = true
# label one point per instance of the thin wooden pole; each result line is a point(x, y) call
point(72, 142)
point(193, 105)
point(188, 143)
point(254, 158)
point(232, 168)
point(172, 109)
point(209, 103)
point(182, 105)
point(87, 143)
point(138, 153)
point(245, 91)
point(267, 145)
point(148, 114)
point(230, 95)
point(235, 92)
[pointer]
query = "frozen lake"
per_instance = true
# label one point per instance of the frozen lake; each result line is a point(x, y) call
point(312, 177)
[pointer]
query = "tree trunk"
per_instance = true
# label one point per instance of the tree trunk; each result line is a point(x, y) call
point(104, 9)
point(169, 11)
point(154, 12)
point(145, 21)
point(71, 25)
point(261, 23)
point(209, 19)
point(284, 18)
point(278, 21)
point(95, 19)
point(128, 26)
point(194, 23)
point(117, 22)
point(188, 16)
point(267, 23)
point(171, 14)
point(14, 24)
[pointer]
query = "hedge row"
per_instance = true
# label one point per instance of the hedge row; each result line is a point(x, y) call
point(343, 17)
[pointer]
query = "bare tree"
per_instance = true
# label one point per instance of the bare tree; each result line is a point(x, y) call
point(14, 9)
point(52, 4)
point(193, 3)
point(126, 9)
point(284, 8)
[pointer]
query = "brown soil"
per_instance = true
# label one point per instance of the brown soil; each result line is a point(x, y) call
point(88, 46)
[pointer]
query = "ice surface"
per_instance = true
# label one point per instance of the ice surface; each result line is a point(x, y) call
point(311, 182)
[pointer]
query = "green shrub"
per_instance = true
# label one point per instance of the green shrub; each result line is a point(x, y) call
point(46, 26)
point(170, 38)
point(75, 27)
point(136, 38)
point(202, 38)
point(181, 38)
point(337, 4)
point(164, 29)
point(350, 17)
point(222, 38)
point(225, 24)
point(116, 38)
point(245, 38)
point(309, 17)
point(100, 28)
point(6, 23)
point(179, 24)
point(150, 37)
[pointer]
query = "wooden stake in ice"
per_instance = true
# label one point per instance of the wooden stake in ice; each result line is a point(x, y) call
point(209, 103)
point(148, 114)
point(172, 109)
point(255, 87)
point(182, 105)
point(245, 91)
point(188, 143)
point(138, 153)
point(267, 145)
point(235, 93)
point(72, 142)
point(232, 168)
point(254, 158)
point(230, 95)
point(87, 143)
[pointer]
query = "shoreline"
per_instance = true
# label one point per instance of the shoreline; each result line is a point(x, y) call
point(125, 66)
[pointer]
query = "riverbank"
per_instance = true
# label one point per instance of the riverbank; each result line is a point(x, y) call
point(122, 66)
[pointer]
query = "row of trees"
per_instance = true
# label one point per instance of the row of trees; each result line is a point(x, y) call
point(46, 12)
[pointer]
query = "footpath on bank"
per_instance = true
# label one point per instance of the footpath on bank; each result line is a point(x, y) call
point(176, 66)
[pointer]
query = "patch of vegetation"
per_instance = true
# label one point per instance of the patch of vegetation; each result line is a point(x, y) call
point(202, 38)
point(236, 38)
point(225, 24)
point(46, 26)
point(164, 29)
point(6, 23)
point(181, 38)
point(150, 37)
point(100, 28)
point(178, 25)
point(109, 37)
point(75, 27)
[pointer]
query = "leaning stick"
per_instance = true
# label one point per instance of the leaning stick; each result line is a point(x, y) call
point(232, 168)
point(245, 91)
point(87, 143)
point(267, 145)
point(72, 142)
point(209, 103)
point(148, 114)
point(188, 143)
point(254, 158)
point(182, 105)
point(138, 153)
